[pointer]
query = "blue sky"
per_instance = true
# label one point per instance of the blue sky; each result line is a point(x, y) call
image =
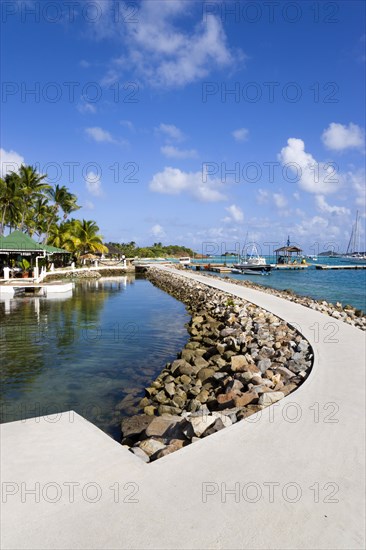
point(193, 122)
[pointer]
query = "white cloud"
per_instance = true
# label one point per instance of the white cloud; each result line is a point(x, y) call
point(171, 132)
point(235, 214)
point(323, 206)
point(279, 200)
point(89, 205)
point(10, 161)
point(173, 181)
point(241, 134)
point(166, 52)
point(100, 135)
point(357, 181)
point(296, 195)
point(339, 137)
point(84, 64)
point(262, 196)
point(87, 108)
point(312, 176)
point(128, 124)
point(315, 228)
point(173, 152)
point(93, 184)
point(157, 231)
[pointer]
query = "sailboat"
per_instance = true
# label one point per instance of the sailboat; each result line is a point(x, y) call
point(352, 252)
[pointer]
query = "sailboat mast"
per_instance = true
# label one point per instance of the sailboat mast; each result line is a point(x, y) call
point(348, 251)
point(357, 235)
point(245, 244)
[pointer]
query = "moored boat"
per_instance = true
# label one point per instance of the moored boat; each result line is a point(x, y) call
point(254, 262)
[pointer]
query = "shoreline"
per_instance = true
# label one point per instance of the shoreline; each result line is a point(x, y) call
point(239, 360)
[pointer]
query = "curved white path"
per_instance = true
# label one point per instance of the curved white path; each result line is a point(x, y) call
point(295, 470)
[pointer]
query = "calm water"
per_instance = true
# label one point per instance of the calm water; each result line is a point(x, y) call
point(93, 352)
point(345, 286)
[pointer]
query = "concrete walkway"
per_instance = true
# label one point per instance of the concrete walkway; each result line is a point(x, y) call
point(289, 477)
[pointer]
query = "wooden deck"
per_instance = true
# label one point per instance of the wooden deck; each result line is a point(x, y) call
point(289, 266)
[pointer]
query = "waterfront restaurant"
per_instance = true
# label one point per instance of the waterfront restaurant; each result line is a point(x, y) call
point(19, 254)
point(288, 255)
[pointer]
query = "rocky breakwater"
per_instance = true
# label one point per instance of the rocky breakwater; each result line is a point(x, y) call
point(239, 360)
point(346, 313)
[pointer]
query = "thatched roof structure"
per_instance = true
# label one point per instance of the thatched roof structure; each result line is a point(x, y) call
point(289, 249)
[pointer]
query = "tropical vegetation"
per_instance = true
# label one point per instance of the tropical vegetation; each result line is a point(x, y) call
point(30, 204)
point(157, 250)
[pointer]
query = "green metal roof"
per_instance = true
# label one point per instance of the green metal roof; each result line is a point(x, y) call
point(20, 242)
point(54, 249)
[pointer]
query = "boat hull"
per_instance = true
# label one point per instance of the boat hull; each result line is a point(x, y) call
point(253, 267)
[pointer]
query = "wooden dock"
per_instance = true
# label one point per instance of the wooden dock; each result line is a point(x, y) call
point(289, 266)
point(362, 266)
point(217, 268)
point(220, 269)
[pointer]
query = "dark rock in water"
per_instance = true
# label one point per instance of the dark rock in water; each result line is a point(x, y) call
point(145, 402)
point(161, 398)
point(166, 409)
point(134, 426)
point(150, 410)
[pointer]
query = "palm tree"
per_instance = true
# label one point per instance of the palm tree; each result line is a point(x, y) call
point(39, 217)
point(86, 232)
point(10, 201)
point(62, 200)
point(63, 236)
point(33, 186)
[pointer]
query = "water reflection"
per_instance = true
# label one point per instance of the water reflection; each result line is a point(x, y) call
point(93, 352)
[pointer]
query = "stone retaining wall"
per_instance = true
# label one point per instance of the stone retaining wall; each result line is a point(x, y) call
point(239, 360)
point(89, 273)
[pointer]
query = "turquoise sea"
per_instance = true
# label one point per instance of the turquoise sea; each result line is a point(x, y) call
point(345, 286)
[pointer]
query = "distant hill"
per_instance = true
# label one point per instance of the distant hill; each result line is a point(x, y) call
point(329, 253)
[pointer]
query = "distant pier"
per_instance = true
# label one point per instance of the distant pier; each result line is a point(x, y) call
point(362, 266)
